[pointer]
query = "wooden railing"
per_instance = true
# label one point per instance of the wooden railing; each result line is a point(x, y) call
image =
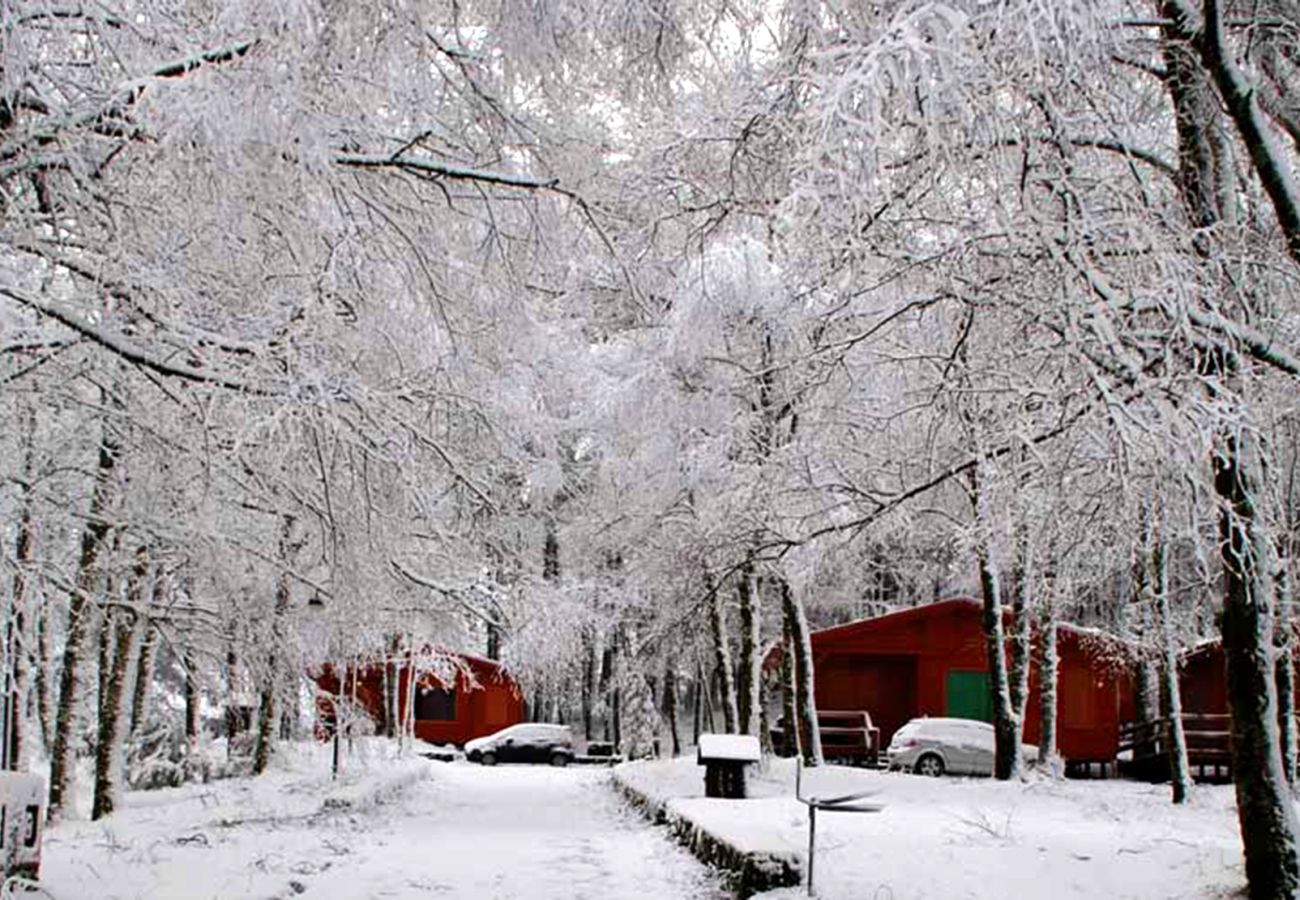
point(1206, 734)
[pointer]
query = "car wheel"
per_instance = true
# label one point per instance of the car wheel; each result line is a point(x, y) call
point(560, 759)
point(488, 759)
point(929, 764)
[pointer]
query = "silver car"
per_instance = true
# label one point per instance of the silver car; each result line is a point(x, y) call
point(938, 746)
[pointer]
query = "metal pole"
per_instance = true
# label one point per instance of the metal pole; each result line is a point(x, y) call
point(812, 846)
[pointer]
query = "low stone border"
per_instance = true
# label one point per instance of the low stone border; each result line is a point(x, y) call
point(749, 873)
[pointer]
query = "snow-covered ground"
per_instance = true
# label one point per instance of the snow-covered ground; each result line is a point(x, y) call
point(391, 828)
point(974, 839)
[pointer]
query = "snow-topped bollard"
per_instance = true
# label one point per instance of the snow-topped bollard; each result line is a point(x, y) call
point(22, 811)
point(724, 757)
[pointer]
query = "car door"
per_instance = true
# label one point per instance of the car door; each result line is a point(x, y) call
point(979, 757)
point(515, 746)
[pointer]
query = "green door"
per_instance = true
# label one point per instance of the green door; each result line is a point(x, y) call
point(969, 696)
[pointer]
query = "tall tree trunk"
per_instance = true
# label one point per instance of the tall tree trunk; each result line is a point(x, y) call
point(15, 662)
point(111, 714)
point(1180, 774)
point(1266, 815)
point(697, 704)
point(266, 716)
point(589, 675)
point(92, 539)
point(1284, 671)
point(1008, 754)
point(806, 725)
point(1264, 809)
point(792, 743)
point(143, 675)
point(1048, 670)
point(722, 661)
point(1021, 623)
point(44, 669)
point(748, 670)
point(670, 706)
point(192, 702)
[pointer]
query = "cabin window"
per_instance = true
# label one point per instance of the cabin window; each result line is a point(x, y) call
point(435, 704)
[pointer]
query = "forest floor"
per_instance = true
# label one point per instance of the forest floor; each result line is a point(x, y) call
point(389, 828)
point(973, 839)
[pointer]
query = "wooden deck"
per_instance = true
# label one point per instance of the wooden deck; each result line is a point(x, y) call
point(1144, 747)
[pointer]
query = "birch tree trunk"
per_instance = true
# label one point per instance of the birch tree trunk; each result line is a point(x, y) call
point(1180, 775)
point(92, 539)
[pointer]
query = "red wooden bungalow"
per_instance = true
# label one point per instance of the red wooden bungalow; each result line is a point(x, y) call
point(931, 661)
point(477, 698)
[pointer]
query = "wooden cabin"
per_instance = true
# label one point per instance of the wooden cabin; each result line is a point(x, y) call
point(471, 697)
point(931, 661)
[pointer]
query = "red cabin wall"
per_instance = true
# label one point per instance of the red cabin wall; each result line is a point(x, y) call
point(896, 667)
point(491, 702)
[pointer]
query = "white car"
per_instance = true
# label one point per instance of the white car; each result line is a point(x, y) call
point(529, 742)
point(938, 746)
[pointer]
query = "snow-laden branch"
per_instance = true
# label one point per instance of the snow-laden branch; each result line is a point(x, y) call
point(453, 594)
point(125, 349)
point(429, 166)
point(1243, 107)
point(187, 64)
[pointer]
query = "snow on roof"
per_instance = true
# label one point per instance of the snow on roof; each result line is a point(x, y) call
point(738, 747)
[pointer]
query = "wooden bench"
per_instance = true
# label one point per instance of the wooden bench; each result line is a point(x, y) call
point(848, 736)
point(725, 758)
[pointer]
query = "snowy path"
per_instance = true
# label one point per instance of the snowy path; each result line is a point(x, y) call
point(461, 831)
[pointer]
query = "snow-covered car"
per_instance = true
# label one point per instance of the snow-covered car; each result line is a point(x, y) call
point(938, 746)
point(529, 742)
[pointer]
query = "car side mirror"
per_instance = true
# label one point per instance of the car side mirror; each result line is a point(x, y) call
point(510, 742)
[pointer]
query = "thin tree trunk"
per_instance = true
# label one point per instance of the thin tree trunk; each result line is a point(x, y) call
point(15, 653)
point(805, 690)
point(192, 702)
point(266, 717)
point(670, 707)
point(1048, 670)
point(44, 668)
point(722, 660)
point(748, 672)
point(92, 539)
point(1021, 644)
point(1180, 774)
point(1008, 753)
point(1284, 672)
point(697, 704)
point(792, 740)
